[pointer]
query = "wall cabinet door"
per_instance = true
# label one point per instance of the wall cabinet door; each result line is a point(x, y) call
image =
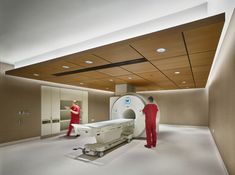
point(55, 110)
point(51, 98)
point(45, 111)
point(84, 107)
point(50, 110)
point(55, 103)
point(46, 103)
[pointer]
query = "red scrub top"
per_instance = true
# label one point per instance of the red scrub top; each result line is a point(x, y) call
point(150, 111)
point(75, 118)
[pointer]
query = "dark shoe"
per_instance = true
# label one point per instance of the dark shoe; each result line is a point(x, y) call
point(77, 135)
point(147, 146)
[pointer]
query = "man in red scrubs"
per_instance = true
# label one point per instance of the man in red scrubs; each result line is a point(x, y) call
point(75, 115)
point(150, 111)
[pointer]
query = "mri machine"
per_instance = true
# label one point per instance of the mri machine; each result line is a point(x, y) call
point(127, 121)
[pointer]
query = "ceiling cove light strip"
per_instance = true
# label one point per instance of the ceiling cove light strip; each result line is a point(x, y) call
point(140, 60)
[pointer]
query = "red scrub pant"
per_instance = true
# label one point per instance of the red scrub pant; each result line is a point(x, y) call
point(151, 135)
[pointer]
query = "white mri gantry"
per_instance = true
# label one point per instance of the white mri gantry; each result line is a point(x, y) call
point(127, 121)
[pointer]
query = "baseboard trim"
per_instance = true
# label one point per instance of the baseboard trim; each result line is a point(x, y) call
point(185, 126)
point(19, 141)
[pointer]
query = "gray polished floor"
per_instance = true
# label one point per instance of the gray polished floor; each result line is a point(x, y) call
point(180, 151)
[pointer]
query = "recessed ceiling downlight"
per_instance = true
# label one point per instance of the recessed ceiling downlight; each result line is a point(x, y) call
point(161, 50)
point(36, 75)
point(65, 67)
point(88, 62)
point(177, 72)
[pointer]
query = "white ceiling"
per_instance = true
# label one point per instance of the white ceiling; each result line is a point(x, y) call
point(31, 29)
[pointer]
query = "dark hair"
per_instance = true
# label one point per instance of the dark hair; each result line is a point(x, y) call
point(150, 98)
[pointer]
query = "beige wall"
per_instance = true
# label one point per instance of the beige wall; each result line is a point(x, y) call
point(182, 107)
point(18, 94)
point(98, 109)
point(222, 100)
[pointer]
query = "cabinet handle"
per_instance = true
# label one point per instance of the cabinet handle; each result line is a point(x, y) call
point(46, 121)
point(55, 120)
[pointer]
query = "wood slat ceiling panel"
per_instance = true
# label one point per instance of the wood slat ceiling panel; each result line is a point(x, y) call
point(159, 79)
point(189, 48)
point(201, 65)
point(140, 67)
point(115, 80)
point(67, 78)
point(201, 74)
point(116, 52)
point(56, 66)
point(28, 72)
point(150, 87)
point(101, 87)
point(100, 84)
point(172, 42)
point(134, 80)
point(115, 71)
point(154, 76)
point(183, 79)
point(202, 59)
point(92, 75)
point(204, 38)
point(172, 63)
point(167, 85)
point(80, 59)
point(45, 69)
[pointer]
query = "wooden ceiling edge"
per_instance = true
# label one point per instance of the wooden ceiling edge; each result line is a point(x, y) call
point(183, 27)
point(220, 18)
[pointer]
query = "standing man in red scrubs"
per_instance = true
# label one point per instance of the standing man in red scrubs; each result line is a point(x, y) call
point(150, 111)
point(75, 115)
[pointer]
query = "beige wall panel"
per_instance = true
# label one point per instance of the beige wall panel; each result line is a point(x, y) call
point(222, 100)
point(18, 94)
point(182, 107)
point(98, 106)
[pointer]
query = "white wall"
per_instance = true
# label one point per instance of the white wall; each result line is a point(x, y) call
point(31, 28)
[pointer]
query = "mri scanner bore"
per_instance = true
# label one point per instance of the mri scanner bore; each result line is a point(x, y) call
point(130, 106)
point(127, 121)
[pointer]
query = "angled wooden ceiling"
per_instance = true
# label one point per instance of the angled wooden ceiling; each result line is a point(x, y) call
point(186, 63)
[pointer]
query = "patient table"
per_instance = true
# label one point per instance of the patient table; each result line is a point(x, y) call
point(108, 134)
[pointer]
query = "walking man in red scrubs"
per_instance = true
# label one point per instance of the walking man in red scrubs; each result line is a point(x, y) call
point(75, 115)
point(150, 111)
